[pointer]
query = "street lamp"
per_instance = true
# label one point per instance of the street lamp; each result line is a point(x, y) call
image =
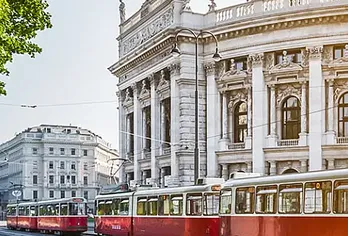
point(217, 57)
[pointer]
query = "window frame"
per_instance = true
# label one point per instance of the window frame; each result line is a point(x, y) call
point(258, 189)
point(251, 190)
point(334, 202)
point(230, 195)
point(160, 202)
point(142, 201)
point(205, 203)
point(240, 127)
point(330, 200)
point(301, 195)
point(175, 197)
point(196, 199)
point(342, 105)
point(285, 123)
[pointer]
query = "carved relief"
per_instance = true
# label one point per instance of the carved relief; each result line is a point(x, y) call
point(269, 61)
point(315, 52)
point(147, 32)
point(305, 58)
point(163, 85)
point(233, 72)
point(256, 59)
point(340, 86)
point(174, 69)
point(186, 5)
point(341, 62)
point(285, 66)
point(327, 54)
point(237, 96)
point(287, 90)
point(209, 68)
point(145, 93)
point(128, 99)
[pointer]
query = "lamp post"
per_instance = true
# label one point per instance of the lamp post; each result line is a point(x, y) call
point(217, 57)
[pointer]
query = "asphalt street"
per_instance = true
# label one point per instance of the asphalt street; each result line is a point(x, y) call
point(5, 232)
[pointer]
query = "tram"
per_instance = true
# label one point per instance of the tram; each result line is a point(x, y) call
point(179, 211)
point(61, 216)
point(313, 203)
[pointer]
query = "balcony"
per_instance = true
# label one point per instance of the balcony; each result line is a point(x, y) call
point(236, 146)
point(342, 140)
point(287, 143)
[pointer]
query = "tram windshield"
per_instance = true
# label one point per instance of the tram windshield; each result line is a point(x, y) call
point(77, 209)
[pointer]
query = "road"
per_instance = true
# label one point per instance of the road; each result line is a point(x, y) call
point(5, 232)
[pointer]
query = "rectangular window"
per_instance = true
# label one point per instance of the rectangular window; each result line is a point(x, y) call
point(62, 151)
point(85, 166)
point(85, 152)
point(152, 206)
point(176, 205)
point(141, 206)
point(63, 207)
point(339, 51)
point(34, 179)
point(245, 200)
point(51, 194)
point(51, 179)
point(62, 179)
point(73, 179)
point(85, 180)
point(62, 165)
point(266, 199)
point(35, 195)
point(340, 197)
point(85, 195)
point(226, 202)
point(34, 150)
point(163, 205)
point(73, 151)
point(211, 204)
point(124, 207)
point(318, 197)
point(73, 166)
point(73, 193)
point(48, 130)
point(194, 204)
point(62, 194)
point(51, 151)
point(50, 166)
point(290, 198)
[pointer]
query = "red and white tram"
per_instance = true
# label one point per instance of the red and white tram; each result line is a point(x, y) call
point(60, 216)
point(181, 211)
point(313, 203)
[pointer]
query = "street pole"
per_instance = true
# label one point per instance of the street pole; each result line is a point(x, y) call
point(217, 57)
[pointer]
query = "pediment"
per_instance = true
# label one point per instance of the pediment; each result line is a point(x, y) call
point(285, 68)
point(339, 62)
point(128, 102)
point(233, 75)
point(144, 94)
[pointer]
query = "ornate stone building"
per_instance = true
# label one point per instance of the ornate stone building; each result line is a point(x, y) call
point(276, 103)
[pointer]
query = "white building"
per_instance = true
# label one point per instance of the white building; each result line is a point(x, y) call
point(50, 161)
point(277, 102)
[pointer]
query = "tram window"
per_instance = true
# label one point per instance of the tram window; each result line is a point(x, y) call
point(176, 205)
point(107, 208)
point(194, 204)
point(100, 211)
point(152, 206)
point(341, 197)
point(211, 204)
point(27, 211)
point(245, 200)
point(124, 207)
point(290, 198)
point(163, 205)
point(226, 202)
point(21, 211)
point(141, 206)
point(266, 199)
point(42, 210)
point(318, 197)
point(33, 211)
point(115, 207)
point(63, 209)
point(77, 209)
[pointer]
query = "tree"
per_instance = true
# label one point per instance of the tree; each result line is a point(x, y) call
point(20, 20)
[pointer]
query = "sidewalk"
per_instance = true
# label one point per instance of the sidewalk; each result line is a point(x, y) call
point(2, 223)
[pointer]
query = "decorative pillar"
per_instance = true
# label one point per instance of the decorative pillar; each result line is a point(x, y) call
point(174, 120)
point(331, 164)
point(259, 113)
point(304, 166)
point(272, 138)
point(249, 118)
point(144, 132)
point(123, 137)
point(225, 140)
point(213, 116)
point(137, 133)
point(163, 127)
point(316, 103)
point(128, 134)
point(225, 171)
point(330, 134)
point(273, 168)
point(155, 137)
point(303, 134)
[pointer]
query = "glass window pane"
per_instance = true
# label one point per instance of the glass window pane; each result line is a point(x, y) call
point(211, 204)
point(242, 119)
point(176, 205)
point(243, 107)
point(290, 198)
point(194, 204)
point(318, 197)
point(141, 206)
point(341, 197)
point(226, 202)
point(245, 200)
point(266, 199)
point(345, 111)
point(338, 53)
point(164, 205)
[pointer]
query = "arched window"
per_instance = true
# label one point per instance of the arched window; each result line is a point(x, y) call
point(290, 171)
point(343, 116)
point(291, 118)
point(240, 122)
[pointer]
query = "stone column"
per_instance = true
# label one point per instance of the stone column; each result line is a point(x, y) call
point(273, 168)
point(303, 134)
point(249, 124)
point(213, 114)
point(259, 113)
point(143, 132)
point(163, 127)
point(225, 171)
point(128, 134)
point(155, 137)
point(272, 138)
point(174, 120)
point(123, 137)
point(316, 104)
point(144, 177)
point(225, 140)
point(137, 133)
point(249, 166)
point(330, 134)
point(304, 166)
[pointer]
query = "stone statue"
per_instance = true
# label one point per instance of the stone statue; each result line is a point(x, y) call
point(212, 5)
point(185, 5)
point(122, 11)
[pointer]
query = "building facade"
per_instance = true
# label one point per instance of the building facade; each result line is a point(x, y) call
point(276, 103)
point(50, 162)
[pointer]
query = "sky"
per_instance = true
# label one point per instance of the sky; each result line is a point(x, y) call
point(72, 69)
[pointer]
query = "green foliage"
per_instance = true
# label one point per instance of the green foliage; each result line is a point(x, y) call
point(20, 20)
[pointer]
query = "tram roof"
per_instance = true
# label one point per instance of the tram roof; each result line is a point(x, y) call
point(289, 178)
point(68, 200)
point(28, 204)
